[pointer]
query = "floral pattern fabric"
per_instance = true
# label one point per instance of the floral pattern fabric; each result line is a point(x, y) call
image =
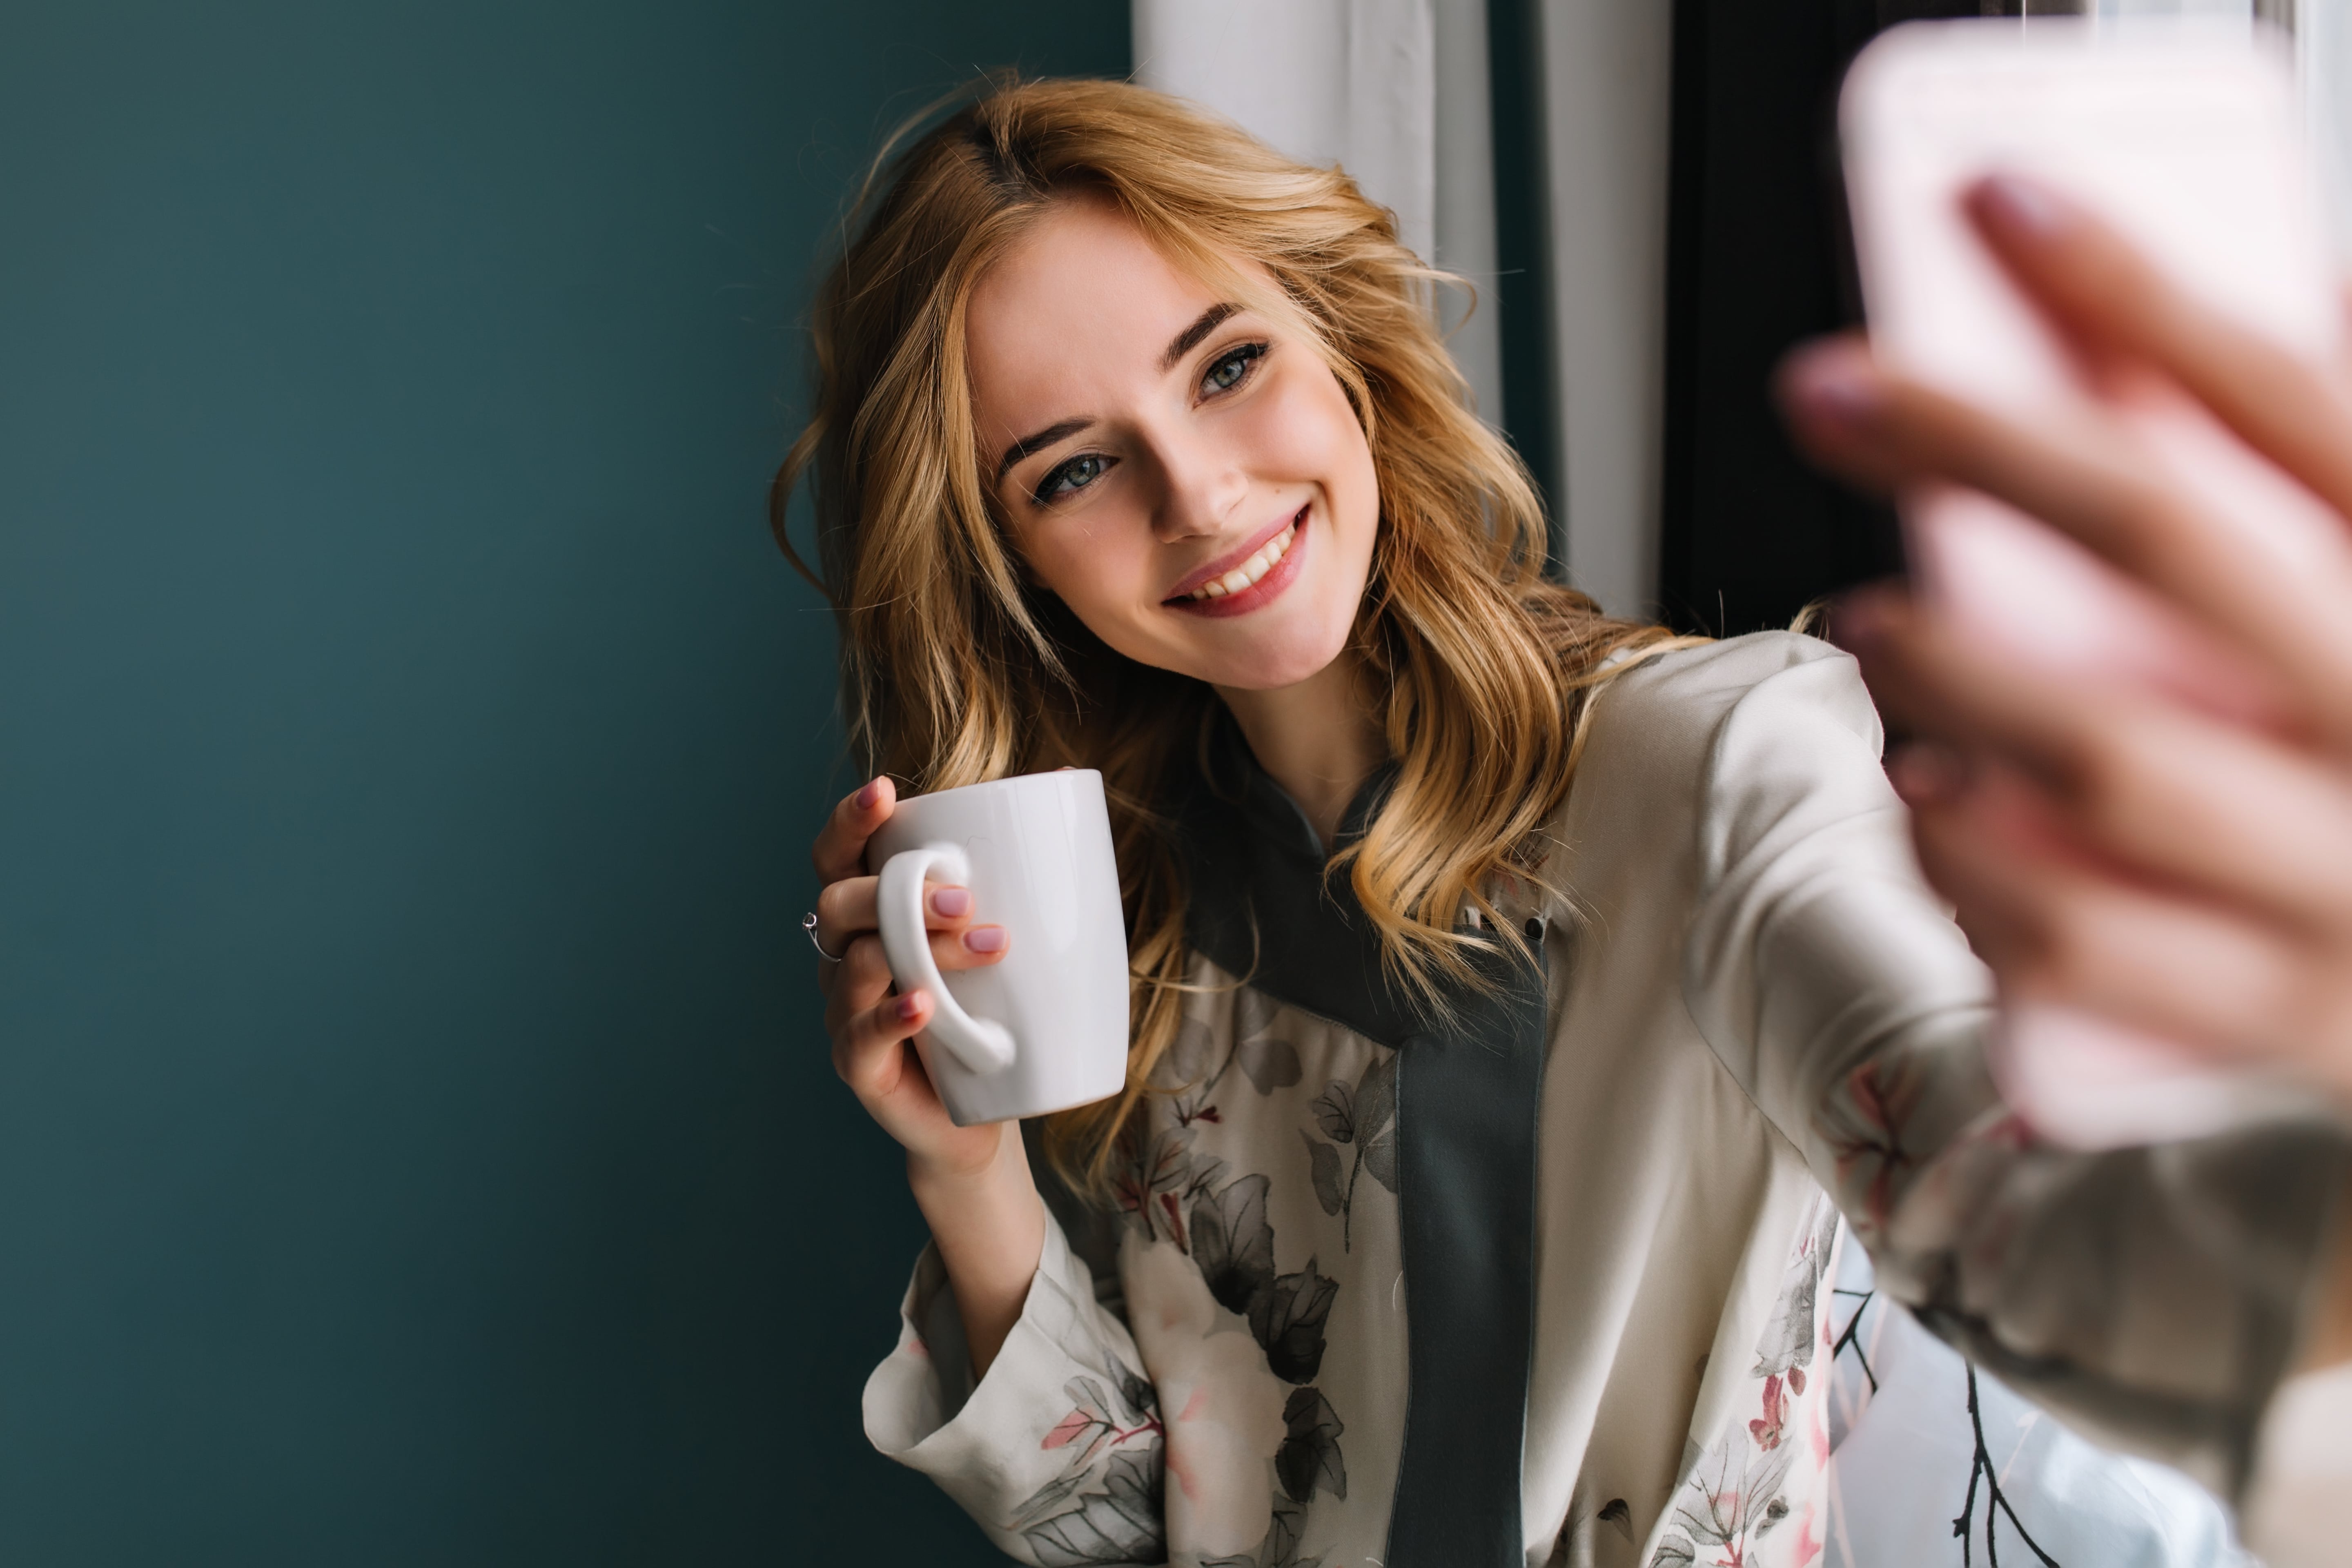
point(1238, 1277)
point(1755, 1496)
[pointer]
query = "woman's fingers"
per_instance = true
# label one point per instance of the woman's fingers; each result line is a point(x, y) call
point(863, 973)
point(2227, 813)
point(871, 1025)
point(869, 1051)
point(840, 849)
point(845, 906)
point(2102, 289)
point(845, 911)
point(2183, 969)
point(855, 984)
point(961, 947)
point(1833, 398)
point(1888, 433)
point(2088, 480)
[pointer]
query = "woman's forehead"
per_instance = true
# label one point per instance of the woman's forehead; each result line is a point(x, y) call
point(1081, 302)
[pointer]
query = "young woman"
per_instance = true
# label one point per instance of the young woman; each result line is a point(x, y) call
point(1510, 982)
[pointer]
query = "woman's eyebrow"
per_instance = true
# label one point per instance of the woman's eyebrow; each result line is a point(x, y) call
point(1188, 340)
point(1028, 443)
point(1183, 342)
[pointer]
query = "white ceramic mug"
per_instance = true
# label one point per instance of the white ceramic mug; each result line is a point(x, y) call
point(1045, 1027)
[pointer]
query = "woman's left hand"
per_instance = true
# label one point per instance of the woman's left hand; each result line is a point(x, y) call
point(2107, 845)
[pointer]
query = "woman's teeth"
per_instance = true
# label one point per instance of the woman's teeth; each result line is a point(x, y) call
point(1251, 570)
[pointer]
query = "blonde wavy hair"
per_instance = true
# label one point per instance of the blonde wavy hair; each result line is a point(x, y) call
point(955, 669)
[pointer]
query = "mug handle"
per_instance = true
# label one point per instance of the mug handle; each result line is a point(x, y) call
point(981, 1046)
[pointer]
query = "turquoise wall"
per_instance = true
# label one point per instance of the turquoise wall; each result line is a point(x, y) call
point(416, 1143)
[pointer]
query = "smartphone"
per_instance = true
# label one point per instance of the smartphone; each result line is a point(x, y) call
point(2188, 138)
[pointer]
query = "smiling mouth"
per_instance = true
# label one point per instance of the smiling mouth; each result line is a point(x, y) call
point(1248, 573)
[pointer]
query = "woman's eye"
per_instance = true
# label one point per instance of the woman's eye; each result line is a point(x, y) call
point(1228, 370)
point(1072, 476)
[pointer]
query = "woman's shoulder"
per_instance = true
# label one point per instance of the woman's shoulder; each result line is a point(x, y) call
point(1700, 745)
point(1681, 704)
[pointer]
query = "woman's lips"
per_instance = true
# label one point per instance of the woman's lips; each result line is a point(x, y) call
point(1269, 566)
point(1288, 546)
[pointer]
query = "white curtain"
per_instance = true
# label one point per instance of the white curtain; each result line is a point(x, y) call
point(2323, 32)
point(1394, 91)
point(1608, 77)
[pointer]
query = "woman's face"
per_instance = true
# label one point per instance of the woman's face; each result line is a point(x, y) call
point(1184, 474)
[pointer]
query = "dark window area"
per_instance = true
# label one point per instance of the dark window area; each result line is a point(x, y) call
point(1758, 261)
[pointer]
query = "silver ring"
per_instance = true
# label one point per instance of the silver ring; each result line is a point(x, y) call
point(808, 924)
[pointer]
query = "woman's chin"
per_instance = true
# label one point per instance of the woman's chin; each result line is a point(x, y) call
point(1282, 644)
point(1277, 663)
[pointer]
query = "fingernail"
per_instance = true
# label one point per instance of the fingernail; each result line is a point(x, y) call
point(985, 939)
point(869, 794)
point(1836, 383)
point(951, 903)
point(1857, 625)
point(1926, 774)
point(909, 1005)
point(2023, 206)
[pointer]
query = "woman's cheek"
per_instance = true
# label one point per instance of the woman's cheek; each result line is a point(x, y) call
point(1312, 434)
point(1101, 573)
point(1307, 431)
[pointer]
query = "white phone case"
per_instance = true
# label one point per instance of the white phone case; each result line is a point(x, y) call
point(2186, 138)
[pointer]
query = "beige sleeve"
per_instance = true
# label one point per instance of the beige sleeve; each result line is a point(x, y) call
point(2153, 1297)
point(1056, 1452)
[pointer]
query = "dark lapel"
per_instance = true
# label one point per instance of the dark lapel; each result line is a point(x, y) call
point(1469, 1084)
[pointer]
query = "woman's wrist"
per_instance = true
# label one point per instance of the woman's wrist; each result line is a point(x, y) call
point(988, 1225)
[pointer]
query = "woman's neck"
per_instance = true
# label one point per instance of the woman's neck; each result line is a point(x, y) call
point(1319, 739)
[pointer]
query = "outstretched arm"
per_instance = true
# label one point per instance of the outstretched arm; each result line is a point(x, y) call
point(2155, 1296)
point(2178, 860)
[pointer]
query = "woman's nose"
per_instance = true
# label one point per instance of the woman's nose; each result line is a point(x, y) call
point(1203, 488)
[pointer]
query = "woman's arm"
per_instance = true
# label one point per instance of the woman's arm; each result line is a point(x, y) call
point(989, 1228)
point(973, 1183)
point(2156, 1296)
point(1011, 1385)
point(2181, 864)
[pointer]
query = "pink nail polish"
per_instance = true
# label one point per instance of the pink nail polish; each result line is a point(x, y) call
point(1838, 384)
point(985, 939)
point(951, 903)
point(1926, 774)
point(909, 1004)
point(1858, 627)
point(2022, 205)
point(869, 794)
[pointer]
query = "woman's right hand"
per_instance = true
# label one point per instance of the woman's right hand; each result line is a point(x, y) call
point(873, 1030)
point(973, 1183)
